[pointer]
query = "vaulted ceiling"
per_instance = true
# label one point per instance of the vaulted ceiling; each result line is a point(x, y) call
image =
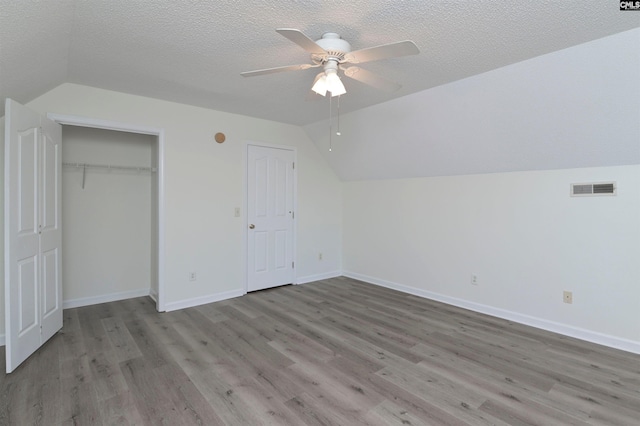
point(193, 52)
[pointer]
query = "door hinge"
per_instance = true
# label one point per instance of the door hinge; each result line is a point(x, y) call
point(292, 265)
point(293, 215)
point(294, 166)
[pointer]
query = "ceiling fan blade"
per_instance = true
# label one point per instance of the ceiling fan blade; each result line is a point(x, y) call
point(391, 50)
point(367, 77)
point(299, 38)
point(277, 69)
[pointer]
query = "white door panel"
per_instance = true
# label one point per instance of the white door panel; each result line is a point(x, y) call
point(33, 292)
point(50, 229)
point(51, 291)
point(26, 174)
point(50, 183)
point(26, 296)
point(49, 280)
point(270, 201)
point(260, 239)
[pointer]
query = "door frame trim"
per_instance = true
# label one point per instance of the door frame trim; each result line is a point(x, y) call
point(245, 195)
point(80, 121)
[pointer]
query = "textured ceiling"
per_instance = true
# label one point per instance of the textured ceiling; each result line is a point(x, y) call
point(193, 52)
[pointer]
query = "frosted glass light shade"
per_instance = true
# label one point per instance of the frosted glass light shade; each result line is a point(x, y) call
point(329, 82)
point(321, 86)
point(334, 84)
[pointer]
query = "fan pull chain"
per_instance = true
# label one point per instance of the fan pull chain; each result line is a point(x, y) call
point(338, 131)
point(330, 127)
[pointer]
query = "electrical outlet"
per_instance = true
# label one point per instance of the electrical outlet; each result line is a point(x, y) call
point(567, 297)
point(320, 256)
point(193, 276)
point(474, 279)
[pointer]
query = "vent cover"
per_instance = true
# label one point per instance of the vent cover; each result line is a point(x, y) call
point(593, 189)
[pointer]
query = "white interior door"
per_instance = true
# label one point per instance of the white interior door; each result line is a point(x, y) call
point(33, 286)
point(270, 217)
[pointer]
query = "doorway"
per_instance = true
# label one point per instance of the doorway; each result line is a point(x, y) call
point(107, 215)
point(155, 137)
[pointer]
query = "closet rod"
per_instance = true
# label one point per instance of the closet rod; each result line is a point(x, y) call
point(108, 166)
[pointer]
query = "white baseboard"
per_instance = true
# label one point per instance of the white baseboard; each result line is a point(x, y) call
point(112, 297)
point(318, 277)
point(196, 301)
point(154, 295)
point(567, 330)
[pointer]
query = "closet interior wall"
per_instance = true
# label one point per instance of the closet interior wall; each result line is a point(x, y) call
point(107, 216)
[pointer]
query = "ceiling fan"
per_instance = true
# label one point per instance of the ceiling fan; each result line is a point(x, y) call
point(333, 54)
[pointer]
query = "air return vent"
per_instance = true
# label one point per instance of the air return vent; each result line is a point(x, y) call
point(593, 189)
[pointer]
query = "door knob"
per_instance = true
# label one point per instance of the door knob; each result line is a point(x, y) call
point(252, 226)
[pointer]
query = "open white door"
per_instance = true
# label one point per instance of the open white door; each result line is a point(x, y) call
point(33, 284)
point(270, 201)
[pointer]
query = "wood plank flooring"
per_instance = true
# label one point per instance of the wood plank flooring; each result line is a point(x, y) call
point(335, 352)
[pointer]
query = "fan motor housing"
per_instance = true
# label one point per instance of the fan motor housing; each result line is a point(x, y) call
point(335, 46)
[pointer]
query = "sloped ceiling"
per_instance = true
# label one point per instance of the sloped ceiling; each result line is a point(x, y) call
point(574, 108)
point(193, 52)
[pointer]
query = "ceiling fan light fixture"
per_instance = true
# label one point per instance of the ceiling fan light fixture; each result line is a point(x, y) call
point(333, 53)
point(320, 86)
point(334, 84)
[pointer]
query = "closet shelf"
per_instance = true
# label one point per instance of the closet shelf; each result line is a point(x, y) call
point(108, 166)
point(85, 166)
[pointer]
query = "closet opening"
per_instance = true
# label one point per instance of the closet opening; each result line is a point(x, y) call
point(112, 192)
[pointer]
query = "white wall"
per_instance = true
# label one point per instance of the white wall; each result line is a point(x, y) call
point(574, 115)
point(2, 124)
point(203, 186)
point(106, 226)
point(521, 233)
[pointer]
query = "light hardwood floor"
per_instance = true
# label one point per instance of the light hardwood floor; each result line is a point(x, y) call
point(335, 352)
